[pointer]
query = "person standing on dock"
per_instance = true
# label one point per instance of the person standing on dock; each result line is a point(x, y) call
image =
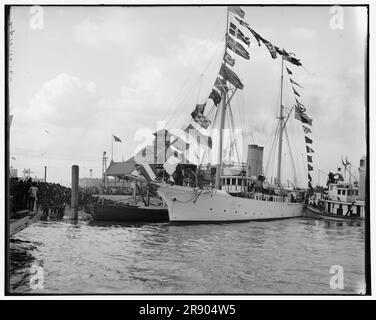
point(32, 196)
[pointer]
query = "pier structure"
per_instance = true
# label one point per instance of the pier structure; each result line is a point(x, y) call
point(74, 196)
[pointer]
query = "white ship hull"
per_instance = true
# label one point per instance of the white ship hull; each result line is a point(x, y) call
point(190, 204)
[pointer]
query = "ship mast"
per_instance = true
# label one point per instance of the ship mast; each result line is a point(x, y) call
point(281, 125)
point(221, 121)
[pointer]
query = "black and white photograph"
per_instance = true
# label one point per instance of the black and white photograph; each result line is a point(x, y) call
point(185, 149)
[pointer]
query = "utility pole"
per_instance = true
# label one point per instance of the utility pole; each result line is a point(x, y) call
point(104, 168)
point(45, 173)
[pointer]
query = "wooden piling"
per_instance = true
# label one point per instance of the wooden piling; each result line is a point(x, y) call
point(74, 196)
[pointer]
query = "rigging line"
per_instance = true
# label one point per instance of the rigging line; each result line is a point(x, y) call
point(287, 117)
point(291, 158)
point(242, 120)
point(182, 104)
point(304, 166)
point(272, 149)
point(192, 71)
point(230, 141)
point(171, 143)
point(231, 119)
point(310, 73)
point(199, 88)
point(187, 118)
point(205, 69)
point(295, 144)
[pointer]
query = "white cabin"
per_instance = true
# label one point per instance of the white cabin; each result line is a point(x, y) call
point(342, 199)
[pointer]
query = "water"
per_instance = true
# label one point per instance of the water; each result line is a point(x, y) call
point(292, 256)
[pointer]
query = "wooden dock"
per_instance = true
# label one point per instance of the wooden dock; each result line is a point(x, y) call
point(17, 225)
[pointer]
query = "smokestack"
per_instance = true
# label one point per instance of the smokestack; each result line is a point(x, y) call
point(362, 179)
point(254, 160)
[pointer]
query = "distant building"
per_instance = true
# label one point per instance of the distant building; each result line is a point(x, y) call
point(90, 182)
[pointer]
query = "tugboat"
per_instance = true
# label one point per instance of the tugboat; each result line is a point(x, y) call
point(342, 200)
point(145, 207)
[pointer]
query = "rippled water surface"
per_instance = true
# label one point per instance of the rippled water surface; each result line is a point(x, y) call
point(281, 256)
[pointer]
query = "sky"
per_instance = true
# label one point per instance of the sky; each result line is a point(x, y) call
point(82, 74)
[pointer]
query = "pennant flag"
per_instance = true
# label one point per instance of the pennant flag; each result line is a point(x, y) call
point(201, 138)
point(237, 48)
point(13, 158)
point(220, 84)
point(286, 56)
point(256, 35)
point(236, 32)
point(272, 49)
point(242, 22)
point(116, 138)
point(293, 82)
point(214, 95)
point(306, 129)
point(228, 59)
point(300, 105)
point(295, 92)
point(302, 109)
point(309, 158)
point(305, 119)
point(307, 140)
point(199, 118)
point(310, 168)
point(230, 76)
point(309, 177)
point(148, 171)
point(301, 116)
point(171, 164)
point(237, 10)
point(309, 150)
point(288, 71)
point(200, 108)
point(297, 101)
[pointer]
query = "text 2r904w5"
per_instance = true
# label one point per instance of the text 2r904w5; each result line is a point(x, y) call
point(223, 309)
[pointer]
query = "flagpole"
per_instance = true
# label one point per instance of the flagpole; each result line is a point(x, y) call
point(280, 130)
point(112, 148)
point(221, 120)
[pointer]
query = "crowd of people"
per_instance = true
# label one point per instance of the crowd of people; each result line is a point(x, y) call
point(51, 198)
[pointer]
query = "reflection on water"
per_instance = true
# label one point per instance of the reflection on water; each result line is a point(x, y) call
point(282, 256)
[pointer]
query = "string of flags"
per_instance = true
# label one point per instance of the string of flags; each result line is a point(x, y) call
point(198, 116)
point(301, 115)
point(235, 41)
